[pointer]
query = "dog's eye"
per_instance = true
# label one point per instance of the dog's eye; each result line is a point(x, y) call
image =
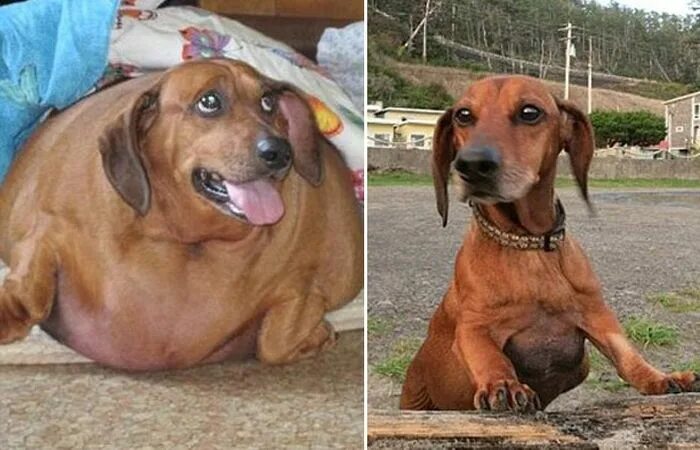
point(267, 103)
point(529, 114)
point(464, 117)
point(209, 104)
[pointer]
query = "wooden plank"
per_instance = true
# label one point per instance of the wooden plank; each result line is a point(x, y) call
point(319, 9)
point(640, 421)
point(248, 7)
point(325, 9)
point(463, 425)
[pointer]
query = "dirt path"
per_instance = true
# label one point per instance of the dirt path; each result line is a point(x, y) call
point(641, 242)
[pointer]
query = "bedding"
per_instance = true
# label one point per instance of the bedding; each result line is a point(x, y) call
point(138, 38)
point(51, 53)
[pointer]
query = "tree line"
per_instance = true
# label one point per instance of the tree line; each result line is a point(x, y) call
point(625, 42)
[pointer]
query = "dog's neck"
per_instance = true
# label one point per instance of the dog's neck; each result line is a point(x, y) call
point(533, 214)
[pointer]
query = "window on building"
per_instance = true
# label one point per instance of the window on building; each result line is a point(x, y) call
point(418, 140)
point(696, 110)
point(382, 139)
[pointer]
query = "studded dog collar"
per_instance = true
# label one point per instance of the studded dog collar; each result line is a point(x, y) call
point(548, 242)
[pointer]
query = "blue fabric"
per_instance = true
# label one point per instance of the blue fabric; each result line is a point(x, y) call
point(52, 52)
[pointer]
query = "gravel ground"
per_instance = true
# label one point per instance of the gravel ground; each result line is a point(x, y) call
point(641, 242)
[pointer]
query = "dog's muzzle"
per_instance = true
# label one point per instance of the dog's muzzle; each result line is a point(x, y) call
point(275, 152)
point(477, 165)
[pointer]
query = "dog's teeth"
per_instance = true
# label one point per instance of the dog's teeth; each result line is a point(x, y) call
point(234, 208)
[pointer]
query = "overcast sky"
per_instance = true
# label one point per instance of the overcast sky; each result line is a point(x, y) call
point(667, 6)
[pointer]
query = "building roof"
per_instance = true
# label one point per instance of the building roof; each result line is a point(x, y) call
point(380, 120)
point(415, 122)
point(413, 110)
point(682, 97)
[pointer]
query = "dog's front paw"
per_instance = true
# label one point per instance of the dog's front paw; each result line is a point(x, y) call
point(678, 382)
point(11, 330)
point(321, 338)
point(506, 395)
point(674, 383)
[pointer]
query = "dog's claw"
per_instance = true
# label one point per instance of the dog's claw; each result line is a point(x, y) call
point(673, 387)
point(538, 403)
point(506, 395)
point(501, 403)
point(483, 402)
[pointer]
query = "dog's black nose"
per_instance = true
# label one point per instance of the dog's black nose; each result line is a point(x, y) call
point(481, 162)
point(275, 152)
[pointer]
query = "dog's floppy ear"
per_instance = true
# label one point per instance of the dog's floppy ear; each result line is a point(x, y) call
point(121, 160)
point(303, 133)
point(443, 154)
point(577, 139)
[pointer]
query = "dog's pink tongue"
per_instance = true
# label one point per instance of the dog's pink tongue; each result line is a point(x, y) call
point(259, 201)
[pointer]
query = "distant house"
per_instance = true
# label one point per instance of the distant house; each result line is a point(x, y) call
point(683, 122)
point(401, 127)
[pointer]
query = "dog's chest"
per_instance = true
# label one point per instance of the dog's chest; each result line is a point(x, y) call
point(549, 345)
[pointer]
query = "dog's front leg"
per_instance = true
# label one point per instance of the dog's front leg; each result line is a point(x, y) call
point(495, 381)
point(294, 330)
point(603, 329)
point(27, 293)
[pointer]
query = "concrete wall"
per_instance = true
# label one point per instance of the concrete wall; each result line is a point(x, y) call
point(411, 160)
point(418, 161)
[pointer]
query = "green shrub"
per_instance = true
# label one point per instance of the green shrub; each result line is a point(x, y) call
point(627, 128)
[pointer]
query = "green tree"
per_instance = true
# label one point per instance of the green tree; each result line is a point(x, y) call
point(627, 128)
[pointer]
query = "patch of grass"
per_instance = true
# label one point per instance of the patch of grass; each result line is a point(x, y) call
point(684, 300)
point(405, 178)
point(377, 326)
point(645, 332)
point(398, 178)
point(692, 365)
point(691, 292)
point(631, 183)
point(600, 376)
point(608, 383)
point(596, 360)
point(396, 364)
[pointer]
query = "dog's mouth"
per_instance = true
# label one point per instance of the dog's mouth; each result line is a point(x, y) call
point(479, 190)
point(509, 185)
point(256, 202)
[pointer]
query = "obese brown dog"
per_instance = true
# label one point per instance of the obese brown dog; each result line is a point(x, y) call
point(180, 218)
point(510, 331)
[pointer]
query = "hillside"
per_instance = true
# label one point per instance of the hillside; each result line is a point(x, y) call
point(640, 59)
point(529, 35)
point(456, 80)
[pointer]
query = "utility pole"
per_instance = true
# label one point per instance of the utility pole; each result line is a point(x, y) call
point(454, 11)
point(568, 29)
point(590, 74)
point(425, 31)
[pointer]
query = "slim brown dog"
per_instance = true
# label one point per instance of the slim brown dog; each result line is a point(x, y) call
point(510, 331)
point(181, 218)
